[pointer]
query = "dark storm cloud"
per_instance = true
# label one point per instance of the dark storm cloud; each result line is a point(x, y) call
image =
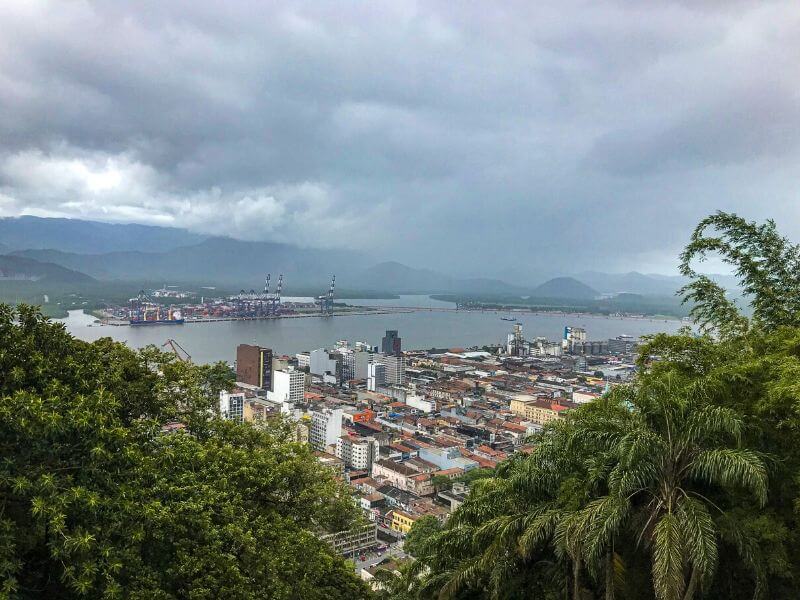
point(478, 137)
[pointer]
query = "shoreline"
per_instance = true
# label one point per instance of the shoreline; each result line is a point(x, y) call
point(388, 310)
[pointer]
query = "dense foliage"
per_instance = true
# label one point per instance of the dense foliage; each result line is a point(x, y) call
point(117, 481)
point(682, 484)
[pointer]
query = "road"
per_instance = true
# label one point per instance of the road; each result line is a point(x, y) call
point(372, 558)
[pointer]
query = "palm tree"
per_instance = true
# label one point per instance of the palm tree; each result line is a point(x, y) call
point(504, 536)
point(668, 449)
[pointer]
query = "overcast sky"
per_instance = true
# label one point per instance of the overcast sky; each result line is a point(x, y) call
point(487, 138)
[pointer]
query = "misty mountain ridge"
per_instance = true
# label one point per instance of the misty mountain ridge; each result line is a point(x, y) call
point(122, 252)
point(399, 278)
point(90, 237)
point(564, 287)
point(17, 268)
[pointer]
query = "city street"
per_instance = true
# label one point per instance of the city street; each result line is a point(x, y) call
point(372, 558)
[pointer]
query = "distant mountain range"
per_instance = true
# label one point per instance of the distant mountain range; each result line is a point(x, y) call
point(564, 287)
point(213, 261)
point(17, 268)
point(90, 237)
point(633, 283)
point(71, 248)
point(400, 278)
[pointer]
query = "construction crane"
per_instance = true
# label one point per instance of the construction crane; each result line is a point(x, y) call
point(177, 350)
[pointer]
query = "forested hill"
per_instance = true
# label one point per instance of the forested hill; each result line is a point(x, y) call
point(17, 268)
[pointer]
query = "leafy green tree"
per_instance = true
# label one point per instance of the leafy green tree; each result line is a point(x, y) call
point(442, 482)
point(766, 264)
point(117, 480)
point(402, 584)
point(475, 474)
point(417, 540)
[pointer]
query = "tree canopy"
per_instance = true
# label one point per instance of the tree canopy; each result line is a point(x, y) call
point(117, 480)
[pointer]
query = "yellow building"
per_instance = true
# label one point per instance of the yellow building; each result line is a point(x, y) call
point(520, 402)
point(402, 522)
point(537, 410)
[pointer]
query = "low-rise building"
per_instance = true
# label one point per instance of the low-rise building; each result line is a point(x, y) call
point(353, 541)
point(402, 521)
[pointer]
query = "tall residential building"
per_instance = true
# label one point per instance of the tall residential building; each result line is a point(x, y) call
point(395, 368)
point(231, 406)
point(303, 359)
point(326, 428)
point(323, 363)
point(376, 376)
point(357, 452)
point(254, 366)
point(391, 343)
point(348, 359)
point(288, 386)
point(362, 361)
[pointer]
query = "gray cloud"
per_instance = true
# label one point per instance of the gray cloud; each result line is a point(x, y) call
point(510, 137)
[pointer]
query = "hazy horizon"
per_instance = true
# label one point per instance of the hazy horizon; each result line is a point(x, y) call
point(512, 141)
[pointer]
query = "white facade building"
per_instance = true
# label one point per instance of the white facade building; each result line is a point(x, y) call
point(420, 403)
point(376, 376)
point(326, 428)
point(358, 452)
point(231, 406)
point(324, 363)
point(288, 387)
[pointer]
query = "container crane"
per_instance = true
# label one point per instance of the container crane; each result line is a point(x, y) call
point(326, 302)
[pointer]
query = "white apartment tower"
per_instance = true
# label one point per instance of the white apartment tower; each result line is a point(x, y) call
point(357, 452)
point(288, 386)
point(376, 376)
point(326, 428)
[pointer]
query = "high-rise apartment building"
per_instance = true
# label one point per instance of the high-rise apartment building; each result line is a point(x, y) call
point(326, 428)
point(395, 368)
point(391, 343)
point(376, 376)
point(348, 359)
point(231, 406)
point(254, 366)
point(362, 361)
point(323, 363)
point(357, 452)
point(288, 386)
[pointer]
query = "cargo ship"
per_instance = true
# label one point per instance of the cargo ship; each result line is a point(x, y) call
point(145, 313)
point(156, 321)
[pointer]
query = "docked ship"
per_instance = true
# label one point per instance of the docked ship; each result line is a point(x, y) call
point(173, 321)
point(143, 311)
